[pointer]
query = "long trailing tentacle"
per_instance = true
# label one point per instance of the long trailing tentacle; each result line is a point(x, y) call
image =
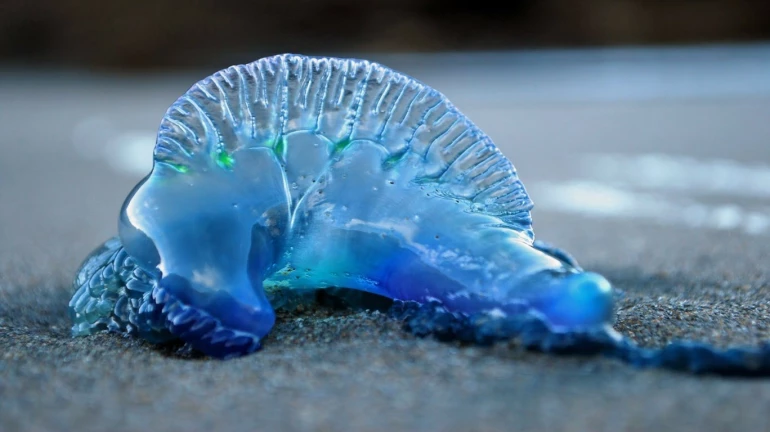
point(688, 356)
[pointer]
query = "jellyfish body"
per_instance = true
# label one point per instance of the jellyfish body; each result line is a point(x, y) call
point(306, 173)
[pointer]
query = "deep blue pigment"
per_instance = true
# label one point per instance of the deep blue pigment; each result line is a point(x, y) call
point(293, 174)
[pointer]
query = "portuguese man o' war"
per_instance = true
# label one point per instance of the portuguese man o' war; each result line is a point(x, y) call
point(297, 173)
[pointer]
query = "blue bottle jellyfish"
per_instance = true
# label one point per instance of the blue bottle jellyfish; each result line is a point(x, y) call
point(299, 173)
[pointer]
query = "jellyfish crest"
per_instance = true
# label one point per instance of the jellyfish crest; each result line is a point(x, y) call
point(274, 101)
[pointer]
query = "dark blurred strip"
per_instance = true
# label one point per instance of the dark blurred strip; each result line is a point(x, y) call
point(169, 33)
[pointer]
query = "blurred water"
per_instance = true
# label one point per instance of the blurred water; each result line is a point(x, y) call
point(665, 189)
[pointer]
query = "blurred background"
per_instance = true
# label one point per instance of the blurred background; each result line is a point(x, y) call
point(641, 129)
point(641, 111)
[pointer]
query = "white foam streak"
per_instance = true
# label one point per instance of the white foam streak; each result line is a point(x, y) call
point(589, 198)
point(679, 174)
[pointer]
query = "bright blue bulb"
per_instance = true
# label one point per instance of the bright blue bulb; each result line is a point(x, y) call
point(579, 300)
